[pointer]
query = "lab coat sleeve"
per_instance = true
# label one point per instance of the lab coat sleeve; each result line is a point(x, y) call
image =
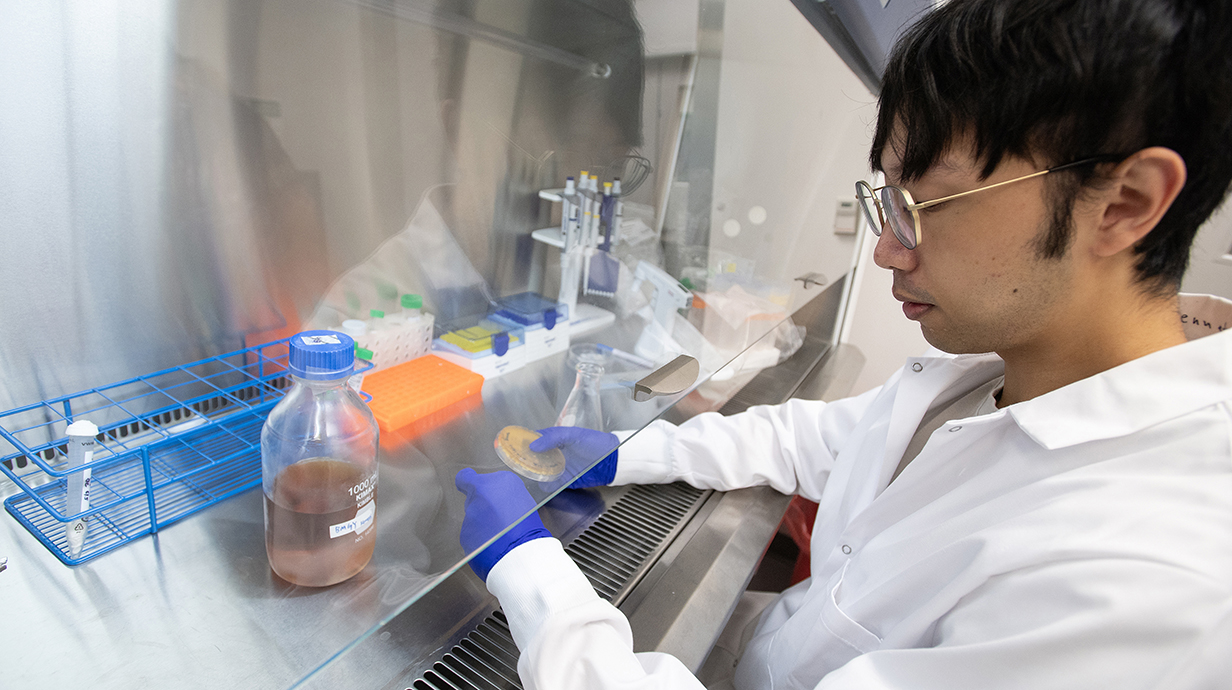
point(567, 635)
point(790, 447)
point(1066, 625)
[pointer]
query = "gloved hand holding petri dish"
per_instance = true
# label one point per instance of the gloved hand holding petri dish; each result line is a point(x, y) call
point(513, 447)
point(582, 447)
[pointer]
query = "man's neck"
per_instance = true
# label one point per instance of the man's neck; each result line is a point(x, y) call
point(1080, 346)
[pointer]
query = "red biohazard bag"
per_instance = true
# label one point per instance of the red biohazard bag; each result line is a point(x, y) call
point(798, 523)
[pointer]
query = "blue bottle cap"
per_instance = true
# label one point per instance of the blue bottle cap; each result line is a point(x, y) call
point(321, 355)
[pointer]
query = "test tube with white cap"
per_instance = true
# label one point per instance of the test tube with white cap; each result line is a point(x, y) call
point(81, 444)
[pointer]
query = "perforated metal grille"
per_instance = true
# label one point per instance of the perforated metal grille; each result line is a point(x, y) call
point(611, 552)
point(612, 549)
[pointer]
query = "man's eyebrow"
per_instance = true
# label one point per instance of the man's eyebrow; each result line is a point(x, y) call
point(892, 170)
point(947, 164)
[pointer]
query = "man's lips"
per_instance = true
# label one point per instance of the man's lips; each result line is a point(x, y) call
point(911, 308)
point(914, 310)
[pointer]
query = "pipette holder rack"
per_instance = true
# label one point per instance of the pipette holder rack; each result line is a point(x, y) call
point(170, 444)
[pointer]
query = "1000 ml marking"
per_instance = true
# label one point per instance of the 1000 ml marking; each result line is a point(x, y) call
point(363, 490)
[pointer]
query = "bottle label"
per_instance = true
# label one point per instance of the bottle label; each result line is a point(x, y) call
point(320, 340)
point(360, 524)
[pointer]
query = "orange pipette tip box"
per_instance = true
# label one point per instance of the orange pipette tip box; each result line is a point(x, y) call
point(411, 391)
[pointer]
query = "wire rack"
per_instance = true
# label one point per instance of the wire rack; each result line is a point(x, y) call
point(170, 444)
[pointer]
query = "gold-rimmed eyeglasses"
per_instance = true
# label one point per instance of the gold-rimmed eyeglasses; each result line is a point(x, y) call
point(903, 214)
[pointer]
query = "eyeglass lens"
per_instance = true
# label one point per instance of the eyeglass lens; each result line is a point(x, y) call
point(868, 203)
point(901, 221)
point(894, 207)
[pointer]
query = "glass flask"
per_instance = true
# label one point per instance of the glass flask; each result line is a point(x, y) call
point(577, 353)
point(582, 408)
point(319, 467)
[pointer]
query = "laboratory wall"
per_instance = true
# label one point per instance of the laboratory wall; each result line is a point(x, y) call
point(788, 159)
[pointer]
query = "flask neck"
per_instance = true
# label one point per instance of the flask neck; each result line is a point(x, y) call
point(588, 373)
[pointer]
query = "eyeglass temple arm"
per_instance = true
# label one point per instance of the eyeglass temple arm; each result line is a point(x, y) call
point(934, 202)
point(1084, 161)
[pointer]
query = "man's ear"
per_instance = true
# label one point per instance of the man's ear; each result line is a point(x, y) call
point(1142, 189)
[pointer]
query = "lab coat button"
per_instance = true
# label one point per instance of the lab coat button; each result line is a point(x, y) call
point(917, 367)
point(955, 428)
point(846, 549)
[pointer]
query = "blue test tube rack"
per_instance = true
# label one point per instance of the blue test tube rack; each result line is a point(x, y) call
point(170, 444)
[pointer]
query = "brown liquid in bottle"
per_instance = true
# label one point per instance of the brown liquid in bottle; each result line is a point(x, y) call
point(313, 499)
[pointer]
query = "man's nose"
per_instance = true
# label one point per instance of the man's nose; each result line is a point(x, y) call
point(890, 253)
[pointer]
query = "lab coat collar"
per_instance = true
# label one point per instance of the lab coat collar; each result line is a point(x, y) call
point(1146, 391)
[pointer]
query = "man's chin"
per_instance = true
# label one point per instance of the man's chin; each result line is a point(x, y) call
point(951, 343)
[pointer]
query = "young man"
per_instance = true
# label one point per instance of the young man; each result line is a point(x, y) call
point(1054, 515)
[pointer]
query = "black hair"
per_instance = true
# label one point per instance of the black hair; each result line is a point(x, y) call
point(1055, 81)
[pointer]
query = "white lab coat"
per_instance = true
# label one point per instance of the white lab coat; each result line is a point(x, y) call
point(1081, 539)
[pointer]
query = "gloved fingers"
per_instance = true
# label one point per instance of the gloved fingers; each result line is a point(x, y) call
point(603, 447)
point(579, 443)
point(602, 474)
point(495, 502)
point(465, 481)
point(500, 490)
point(558, 437)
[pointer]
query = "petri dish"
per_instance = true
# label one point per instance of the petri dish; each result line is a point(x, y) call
point(513, 446)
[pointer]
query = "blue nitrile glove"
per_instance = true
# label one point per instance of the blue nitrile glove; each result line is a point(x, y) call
point(581, 448)
point(493, 502)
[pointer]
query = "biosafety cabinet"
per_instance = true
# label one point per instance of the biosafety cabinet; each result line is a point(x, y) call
point(185, 183)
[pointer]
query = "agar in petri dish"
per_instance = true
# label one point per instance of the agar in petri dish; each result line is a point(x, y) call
point(513, 446)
